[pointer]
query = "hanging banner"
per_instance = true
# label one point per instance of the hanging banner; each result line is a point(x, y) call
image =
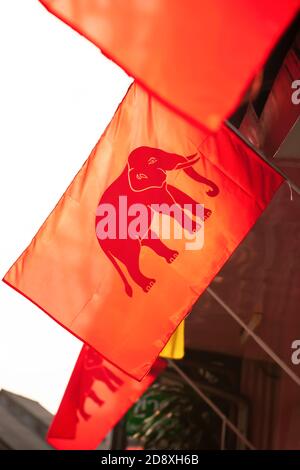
point(96, 398)
point(146, 224)
point(199, 57)
point(281, 110)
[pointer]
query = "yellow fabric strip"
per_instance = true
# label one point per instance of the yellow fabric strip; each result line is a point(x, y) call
point(174, 349)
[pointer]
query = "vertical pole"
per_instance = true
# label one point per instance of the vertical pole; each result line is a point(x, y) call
point(223, 435)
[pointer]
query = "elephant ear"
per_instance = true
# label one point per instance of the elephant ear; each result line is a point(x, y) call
point(139, 180)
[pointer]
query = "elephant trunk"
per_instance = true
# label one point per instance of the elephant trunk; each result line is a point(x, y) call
point(213, 191)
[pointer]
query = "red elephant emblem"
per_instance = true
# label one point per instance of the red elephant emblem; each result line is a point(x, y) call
point(94, 370)
point(143, 181)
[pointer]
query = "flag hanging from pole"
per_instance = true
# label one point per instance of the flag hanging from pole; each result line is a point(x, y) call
point(199, 57)
point(106, 265)
point(96, 398)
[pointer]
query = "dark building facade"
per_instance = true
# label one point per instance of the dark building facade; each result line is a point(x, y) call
point(23, 423)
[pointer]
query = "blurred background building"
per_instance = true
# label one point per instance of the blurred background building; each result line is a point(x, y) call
point(23, 423)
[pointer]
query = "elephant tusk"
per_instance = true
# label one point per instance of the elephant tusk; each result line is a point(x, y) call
point(190, 160)
point(190, 157)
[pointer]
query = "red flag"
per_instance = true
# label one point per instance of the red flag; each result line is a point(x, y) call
point(197, 56)
point(96, 398)
point(112, 277)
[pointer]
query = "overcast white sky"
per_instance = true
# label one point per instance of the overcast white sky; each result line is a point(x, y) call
point(57, 94)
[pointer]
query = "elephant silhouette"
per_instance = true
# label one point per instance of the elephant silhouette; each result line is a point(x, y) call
point(143, 181)
point(95, 370)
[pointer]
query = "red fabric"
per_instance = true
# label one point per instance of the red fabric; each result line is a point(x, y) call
point(125, 297)
point(197, 56)
point(96, 398)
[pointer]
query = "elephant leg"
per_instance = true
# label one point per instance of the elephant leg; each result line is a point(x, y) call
point(168, 201)
point(95, 398)
point(182, 198)
point(113, 378)
point(81, 409)
point(129, 255)
point(109, 379)
point(159, 247)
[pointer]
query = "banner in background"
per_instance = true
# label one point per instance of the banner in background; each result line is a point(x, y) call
point(198, 57)
point(96, 398)
point(105, 266)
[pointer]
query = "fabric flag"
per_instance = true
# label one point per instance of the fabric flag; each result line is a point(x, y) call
point(269, 131)
point(104, 264)
point(251, 127)
point(197, 56)
point(174, 349)
point(96, 398)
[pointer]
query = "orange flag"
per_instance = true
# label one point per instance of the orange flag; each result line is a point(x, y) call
point(96, 398)
point(199, 57)
point(105, 264)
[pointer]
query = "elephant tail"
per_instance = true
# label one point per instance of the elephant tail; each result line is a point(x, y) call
point(127, 286)
point(213, 191)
